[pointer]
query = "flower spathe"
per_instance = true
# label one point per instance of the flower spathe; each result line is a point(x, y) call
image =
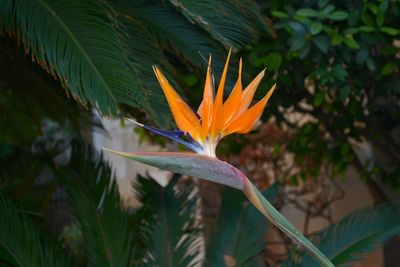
point(215, 118)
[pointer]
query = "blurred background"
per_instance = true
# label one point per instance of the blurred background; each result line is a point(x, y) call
point(326, 151)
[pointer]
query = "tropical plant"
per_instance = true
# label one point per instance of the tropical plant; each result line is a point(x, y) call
point(101, 52)
point(336, 65)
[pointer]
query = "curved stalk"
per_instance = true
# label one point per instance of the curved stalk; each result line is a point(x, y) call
point(275, 217)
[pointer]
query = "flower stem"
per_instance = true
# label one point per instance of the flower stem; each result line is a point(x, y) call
point(266, 208)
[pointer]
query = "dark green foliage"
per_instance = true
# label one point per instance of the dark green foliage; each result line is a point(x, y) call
point(241, 232)
point(22, 243)
point(173, 237)
point(336, 62)
point(93, 194)
point(356, 234)
point(78, 43)
point(103, 51)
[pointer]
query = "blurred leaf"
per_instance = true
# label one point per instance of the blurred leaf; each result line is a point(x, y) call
point(297, 43)
point(362, 56)
point(336, 40)
point(93, 193)
point(315, 27)
point(273, 61)
point(319, 98)
point(338, 15)
point(307, 12)
point(22, 243)
point(344, 92)
point(322, 42)
point(279, 14)
point(390, 31)
point(380, 18)
point(371, 64)
point(367, 28)
point(240, 235)
point(350, 42)
point(339, 72)
point(388, 68)
point(174, 236)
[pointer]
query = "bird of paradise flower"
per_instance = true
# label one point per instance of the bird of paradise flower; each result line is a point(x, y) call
point(201, 133)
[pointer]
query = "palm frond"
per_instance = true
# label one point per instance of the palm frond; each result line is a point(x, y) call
point(94, 196)
point(241, 232)
point(353, 236)
point(175, 31)
point(233, 23)
point(173, 237)
point(77, 42)
point(22, 243)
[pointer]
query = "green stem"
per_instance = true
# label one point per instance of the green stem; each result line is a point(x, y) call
point(283, 224)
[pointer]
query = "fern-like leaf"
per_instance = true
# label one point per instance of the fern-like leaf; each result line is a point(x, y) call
point(353, 236)
point(21, 242)
point(173, 237)
point(233, 23)
point(77, 42)
point(94, 196)
point(240, 237)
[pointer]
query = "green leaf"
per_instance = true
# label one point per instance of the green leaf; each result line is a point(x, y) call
point(380, 18)
point(350, 42)
point(240, 233)
point(344, 92)
point(370, 64)
point(245, 28)
point(319, 99)
point(336, 40)
point(388, 69)
point(338, 15)
point(273, 61)
point(350, 30)
point(297, 43)
point(173, 236)
point(362, 56)
point(357, 233)
point(307, 12)
point(339, 72)
point(322, 3)
point(22, 243)
point(212, 169)
point(367, 28)
point(93, 193)
point(328, 9)
point(279, 14)
point(78, 43)
point(322, 42)
point(315, 27)
point(389, 30)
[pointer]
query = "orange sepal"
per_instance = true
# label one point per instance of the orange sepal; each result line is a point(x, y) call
point(232, 104)
point(218, 118)
point(206, 106)
point(185, 118)
point(245, 122)
point(248, 94)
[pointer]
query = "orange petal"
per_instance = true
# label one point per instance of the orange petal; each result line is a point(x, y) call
point(206, 106)
point(248, 94)
point(245, 122)
point(185, 118)
point(232, 104)
point(218, 117)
